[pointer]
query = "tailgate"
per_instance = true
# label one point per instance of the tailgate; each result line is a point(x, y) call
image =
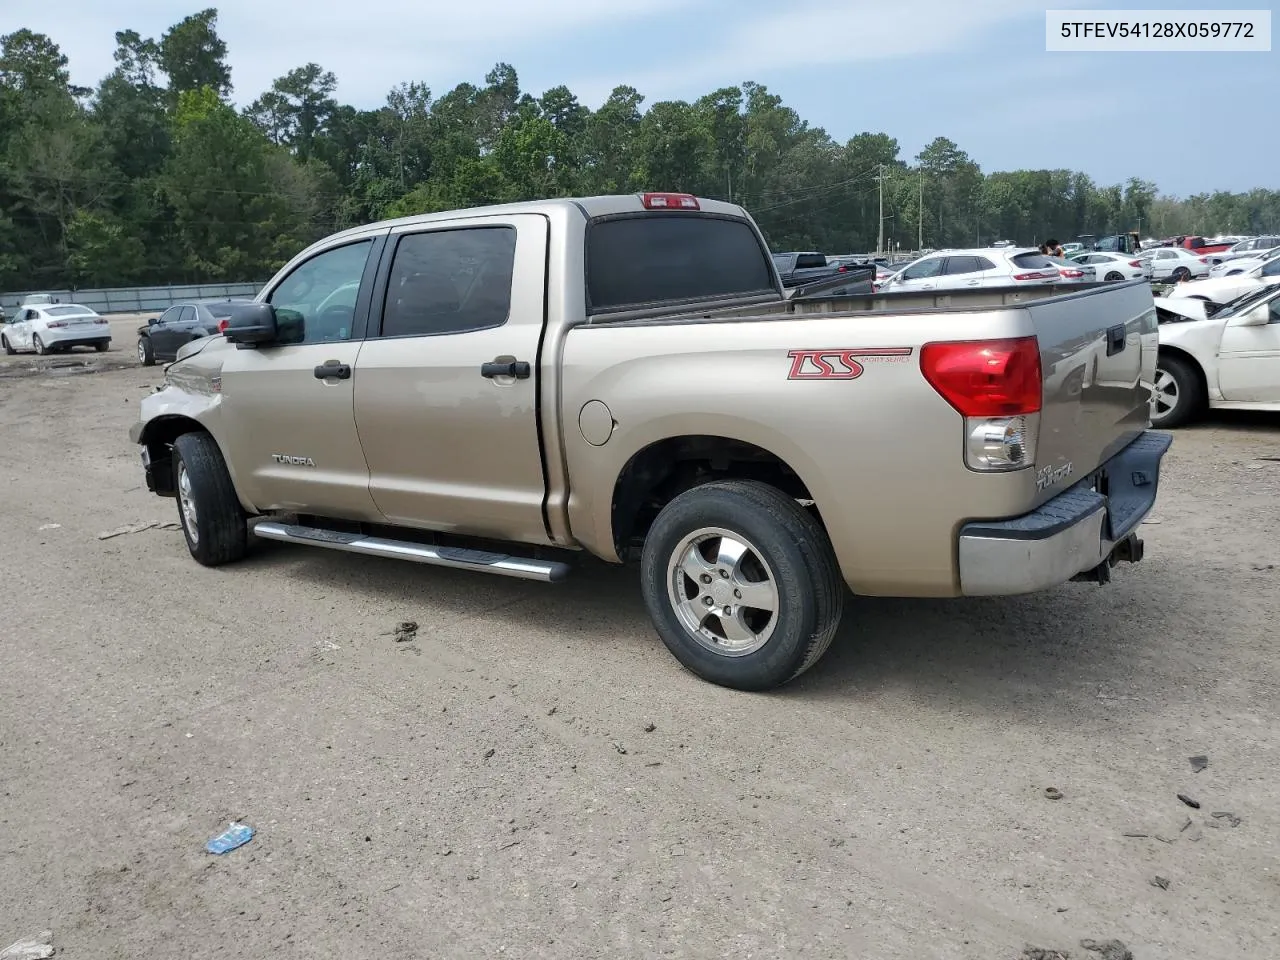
point(1098, 361)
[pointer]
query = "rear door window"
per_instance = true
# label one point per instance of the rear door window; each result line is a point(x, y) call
point(810, 261)
point(962, 265)
point(450, 281)
point(672, 257)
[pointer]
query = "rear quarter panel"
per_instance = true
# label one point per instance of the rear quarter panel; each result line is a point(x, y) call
point(881, 454)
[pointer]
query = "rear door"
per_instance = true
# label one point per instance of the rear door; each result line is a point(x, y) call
point(963, 272)
point(446, 387)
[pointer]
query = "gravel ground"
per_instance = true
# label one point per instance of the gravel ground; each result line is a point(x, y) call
point(493, 787)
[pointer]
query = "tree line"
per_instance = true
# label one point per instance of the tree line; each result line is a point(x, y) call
point(154, 176)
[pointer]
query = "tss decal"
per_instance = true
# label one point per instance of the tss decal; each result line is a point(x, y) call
point(841, 364)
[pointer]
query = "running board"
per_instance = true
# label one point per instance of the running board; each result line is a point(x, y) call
point(548, 571)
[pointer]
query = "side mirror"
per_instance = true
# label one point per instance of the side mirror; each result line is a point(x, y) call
point(252, 324)
point(1259, 316)
point(152, 321)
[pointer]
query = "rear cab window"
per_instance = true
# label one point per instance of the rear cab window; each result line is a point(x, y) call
point(637, 260)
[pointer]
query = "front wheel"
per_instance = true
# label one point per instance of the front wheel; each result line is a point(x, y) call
point(742, 584)
point(1179, 394)
point(8, 347)
point(212, 519)
point(146, 353)
point(39, 346)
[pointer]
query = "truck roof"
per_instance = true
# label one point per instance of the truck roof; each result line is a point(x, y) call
point(591, 207)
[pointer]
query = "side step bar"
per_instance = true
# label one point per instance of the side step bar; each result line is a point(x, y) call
point(548, 571)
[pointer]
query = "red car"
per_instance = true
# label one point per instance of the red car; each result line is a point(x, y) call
point(1199, 246)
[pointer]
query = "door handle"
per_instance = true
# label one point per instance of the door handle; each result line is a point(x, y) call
point(519, 369)
point(338, 371)
point(1116, 339)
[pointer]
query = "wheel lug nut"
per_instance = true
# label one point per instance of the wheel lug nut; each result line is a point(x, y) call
point(728, 611)
point(708, 601)
point(737, 594)
point(705, 578)
point(725, 574)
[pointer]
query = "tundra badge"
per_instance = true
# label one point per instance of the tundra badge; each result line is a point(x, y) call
point(294, 461)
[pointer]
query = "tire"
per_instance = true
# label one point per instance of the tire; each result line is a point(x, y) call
point(4, 341)
point(101, 347)
point(146, 354)
point(799, 577)
point(38, 344)
point(1180, 274)
point(1179, 391)
point(212, 519)
point(1113, 276)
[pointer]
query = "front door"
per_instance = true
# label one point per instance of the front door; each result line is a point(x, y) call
point(289, 406)
point(921, 275)
point(446, 387)
point(1249, 359)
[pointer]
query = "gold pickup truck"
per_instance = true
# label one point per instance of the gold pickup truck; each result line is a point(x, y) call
point(496, 388)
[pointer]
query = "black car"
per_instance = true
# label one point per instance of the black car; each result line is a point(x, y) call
point(164, 335)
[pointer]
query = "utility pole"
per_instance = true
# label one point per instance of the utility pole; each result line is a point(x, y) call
point(920, 217)
point(880, 235)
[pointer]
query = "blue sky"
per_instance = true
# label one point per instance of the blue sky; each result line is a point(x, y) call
point(972, 70)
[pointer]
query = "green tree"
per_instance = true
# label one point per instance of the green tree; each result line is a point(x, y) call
point(194, 57)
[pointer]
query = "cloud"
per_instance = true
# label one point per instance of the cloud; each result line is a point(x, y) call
point(809, 34)
point(370, 45)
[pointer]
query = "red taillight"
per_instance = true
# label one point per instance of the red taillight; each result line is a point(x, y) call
point(1204, 259)
point(1072, 274)
point(985, 378)
point(1135, 263)
point(56, 323)
point(222, 325)
point(842, 269)
point(670, 201)
point(1036, 275)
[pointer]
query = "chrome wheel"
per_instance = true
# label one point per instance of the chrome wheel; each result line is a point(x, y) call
point(723, 592)
point(142, 351)
point(187, 504)
point(1166, 394)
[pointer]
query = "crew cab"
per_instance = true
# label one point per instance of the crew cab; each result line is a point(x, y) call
point(796, 269)
point(499, 389)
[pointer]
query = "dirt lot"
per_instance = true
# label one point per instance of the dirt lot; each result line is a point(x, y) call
point(490, 789)
point(120, 355)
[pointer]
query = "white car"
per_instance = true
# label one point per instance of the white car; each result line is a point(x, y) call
point(1231, 268)
point(985, 267)
point(55, 326)
point(1175, 263)
point(1253, 247)
point(1115, 266)
point(1230, 359)
point(1228, 288)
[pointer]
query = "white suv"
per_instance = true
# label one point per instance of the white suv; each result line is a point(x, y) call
point(985, 267)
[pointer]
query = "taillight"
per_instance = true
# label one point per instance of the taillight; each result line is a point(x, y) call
point(222, 325)
point(670, 201)
point(996, 386)
point(842, 269)
point(1135, 263)
point(1072, 274)
point(1204, 259)
point(1036, 275)
point(100, 320)
point(56, 323)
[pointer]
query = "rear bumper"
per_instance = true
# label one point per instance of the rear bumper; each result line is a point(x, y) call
point(76, 336)
point(1083, 530)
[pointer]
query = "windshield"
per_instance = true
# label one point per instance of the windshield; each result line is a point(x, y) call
point(1243, 304)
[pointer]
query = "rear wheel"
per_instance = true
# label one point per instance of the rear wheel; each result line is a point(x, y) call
point(101, 346)
point(146, 355)
point(1181, 274)
point(1179, 393)
point(1113, 275)
point(209, 510)
point(742, 584)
